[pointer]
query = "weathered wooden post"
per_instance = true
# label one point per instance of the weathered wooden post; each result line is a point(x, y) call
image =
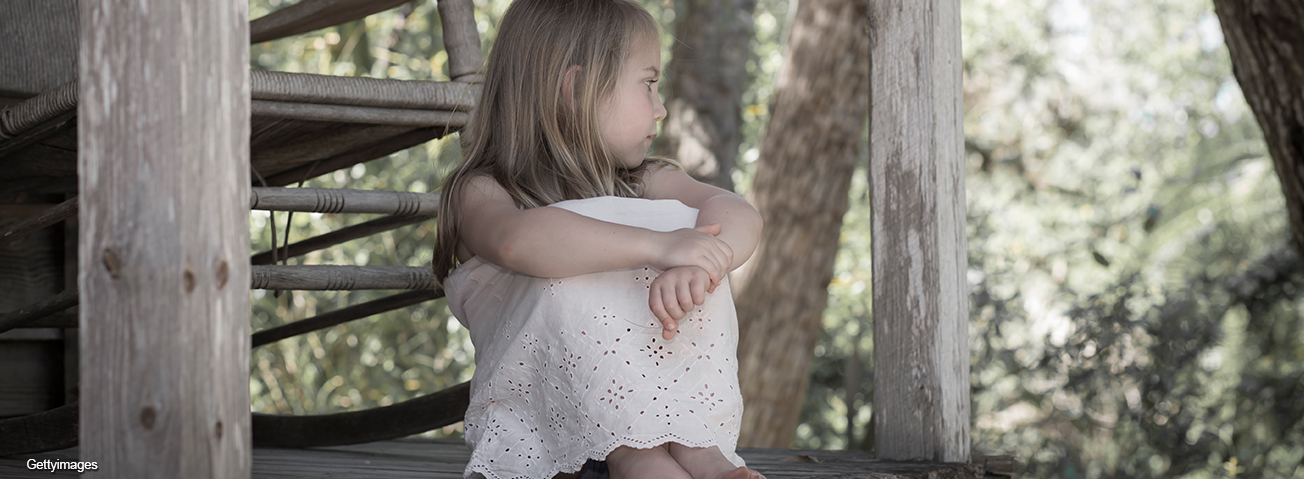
point(163, 166)
point(921, 304)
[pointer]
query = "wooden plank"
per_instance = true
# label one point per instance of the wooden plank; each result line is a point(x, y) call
point(33, 371)
point(38, 310)
point(164, 243)
point(47, 218)
point(921, 356)
point(446, 459)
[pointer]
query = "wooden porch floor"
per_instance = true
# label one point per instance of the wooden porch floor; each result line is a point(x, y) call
point(445, 459)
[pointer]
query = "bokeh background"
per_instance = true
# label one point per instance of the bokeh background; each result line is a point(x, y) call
point(1134, 301)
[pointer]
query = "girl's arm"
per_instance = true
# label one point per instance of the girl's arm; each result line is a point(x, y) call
point(740, 222)
point(555, 243)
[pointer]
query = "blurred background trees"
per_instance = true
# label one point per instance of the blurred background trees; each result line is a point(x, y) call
point(1135, 294)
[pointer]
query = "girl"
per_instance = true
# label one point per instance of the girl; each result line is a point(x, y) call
point(629, 357)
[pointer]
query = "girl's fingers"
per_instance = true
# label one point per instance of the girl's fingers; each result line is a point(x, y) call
point(684, 294)
point(671, 302)
point(697, 286)
point(658, 307)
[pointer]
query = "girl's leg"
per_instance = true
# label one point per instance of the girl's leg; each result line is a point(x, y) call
point(655, 463)
point(709, 463)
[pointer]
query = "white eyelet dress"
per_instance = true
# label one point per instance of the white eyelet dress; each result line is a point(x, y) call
point(570, 369)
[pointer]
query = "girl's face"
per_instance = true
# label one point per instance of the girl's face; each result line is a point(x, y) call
point(629, 116)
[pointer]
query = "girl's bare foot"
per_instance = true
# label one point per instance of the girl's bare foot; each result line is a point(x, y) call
point(655, 463)
point(709, 463)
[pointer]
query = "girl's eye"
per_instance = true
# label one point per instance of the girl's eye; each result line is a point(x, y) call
point(649, 83)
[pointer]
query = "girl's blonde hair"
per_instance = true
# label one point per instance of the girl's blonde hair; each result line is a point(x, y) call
point(540, 147)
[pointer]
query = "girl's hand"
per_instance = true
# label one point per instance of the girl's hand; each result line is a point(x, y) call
point(675, 293)
point(695, 247)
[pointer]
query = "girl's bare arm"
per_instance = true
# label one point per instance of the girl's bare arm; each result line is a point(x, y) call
point(555, 243)
point(740, 222)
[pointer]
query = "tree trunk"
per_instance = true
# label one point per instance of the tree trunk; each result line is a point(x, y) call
point(802, 180)
point(704, 82)
point(1267, 51)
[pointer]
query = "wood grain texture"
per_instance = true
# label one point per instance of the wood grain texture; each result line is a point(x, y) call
point(40, 45)
point(461, 40)
point(418, 458)
point(164, 323)
point(341, 278)
point(921, 304)
point(331, 200)
point(33, 371)
point(1266, 45)
point(45, 219)
point(802, 181)
point(40, 309)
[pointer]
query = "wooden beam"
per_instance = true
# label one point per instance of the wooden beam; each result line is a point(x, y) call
point(921, 303)
point(333, 238)
point(461, 40)
point(41, 309)
point(344, 315)
point(309, 15)
point(164, 244)
point(49, 217)
point(331, 200)
point(414, 416)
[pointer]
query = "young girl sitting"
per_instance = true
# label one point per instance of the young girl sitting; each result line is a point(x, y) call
point(592, 279)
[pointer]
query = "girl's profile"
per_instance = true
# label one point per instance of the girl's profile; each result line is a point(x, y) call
point(591, 277)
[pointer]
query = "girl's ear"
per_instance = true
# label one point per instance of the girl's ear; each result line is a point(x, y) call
point(568, 85)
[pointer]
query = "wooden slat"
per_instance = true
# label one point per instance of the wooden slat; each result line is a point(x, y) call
point(39, 432)
point(359, 114)
point(409, 417)
point(47, 218)
point(358, 155)
point(921, 303)
point(309, 15)
point(461, 40)
point(38, 310)
point(341, 278)
point(333, 238)
point(330, 200)
point(362, 91)
point(163, 169)
point(326, 320)
point(60, 123)
point(420, 458)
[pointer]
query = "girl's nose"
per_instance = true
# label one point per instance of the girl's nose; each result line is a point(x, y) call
point(660, 112)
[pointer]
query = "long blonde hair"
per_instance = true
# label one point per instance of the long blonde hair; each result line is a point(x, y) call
point(540, 147)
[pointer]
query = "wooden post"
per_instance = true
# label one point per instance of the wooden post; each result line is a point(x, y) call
point(163, 138)
point(921, 303)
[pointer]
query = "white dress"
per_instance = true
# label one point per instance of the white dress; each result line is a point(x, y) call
point(569, 369)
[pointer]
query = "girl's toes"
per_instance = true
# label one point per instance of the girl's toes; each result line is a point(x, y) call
point(739, 473)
